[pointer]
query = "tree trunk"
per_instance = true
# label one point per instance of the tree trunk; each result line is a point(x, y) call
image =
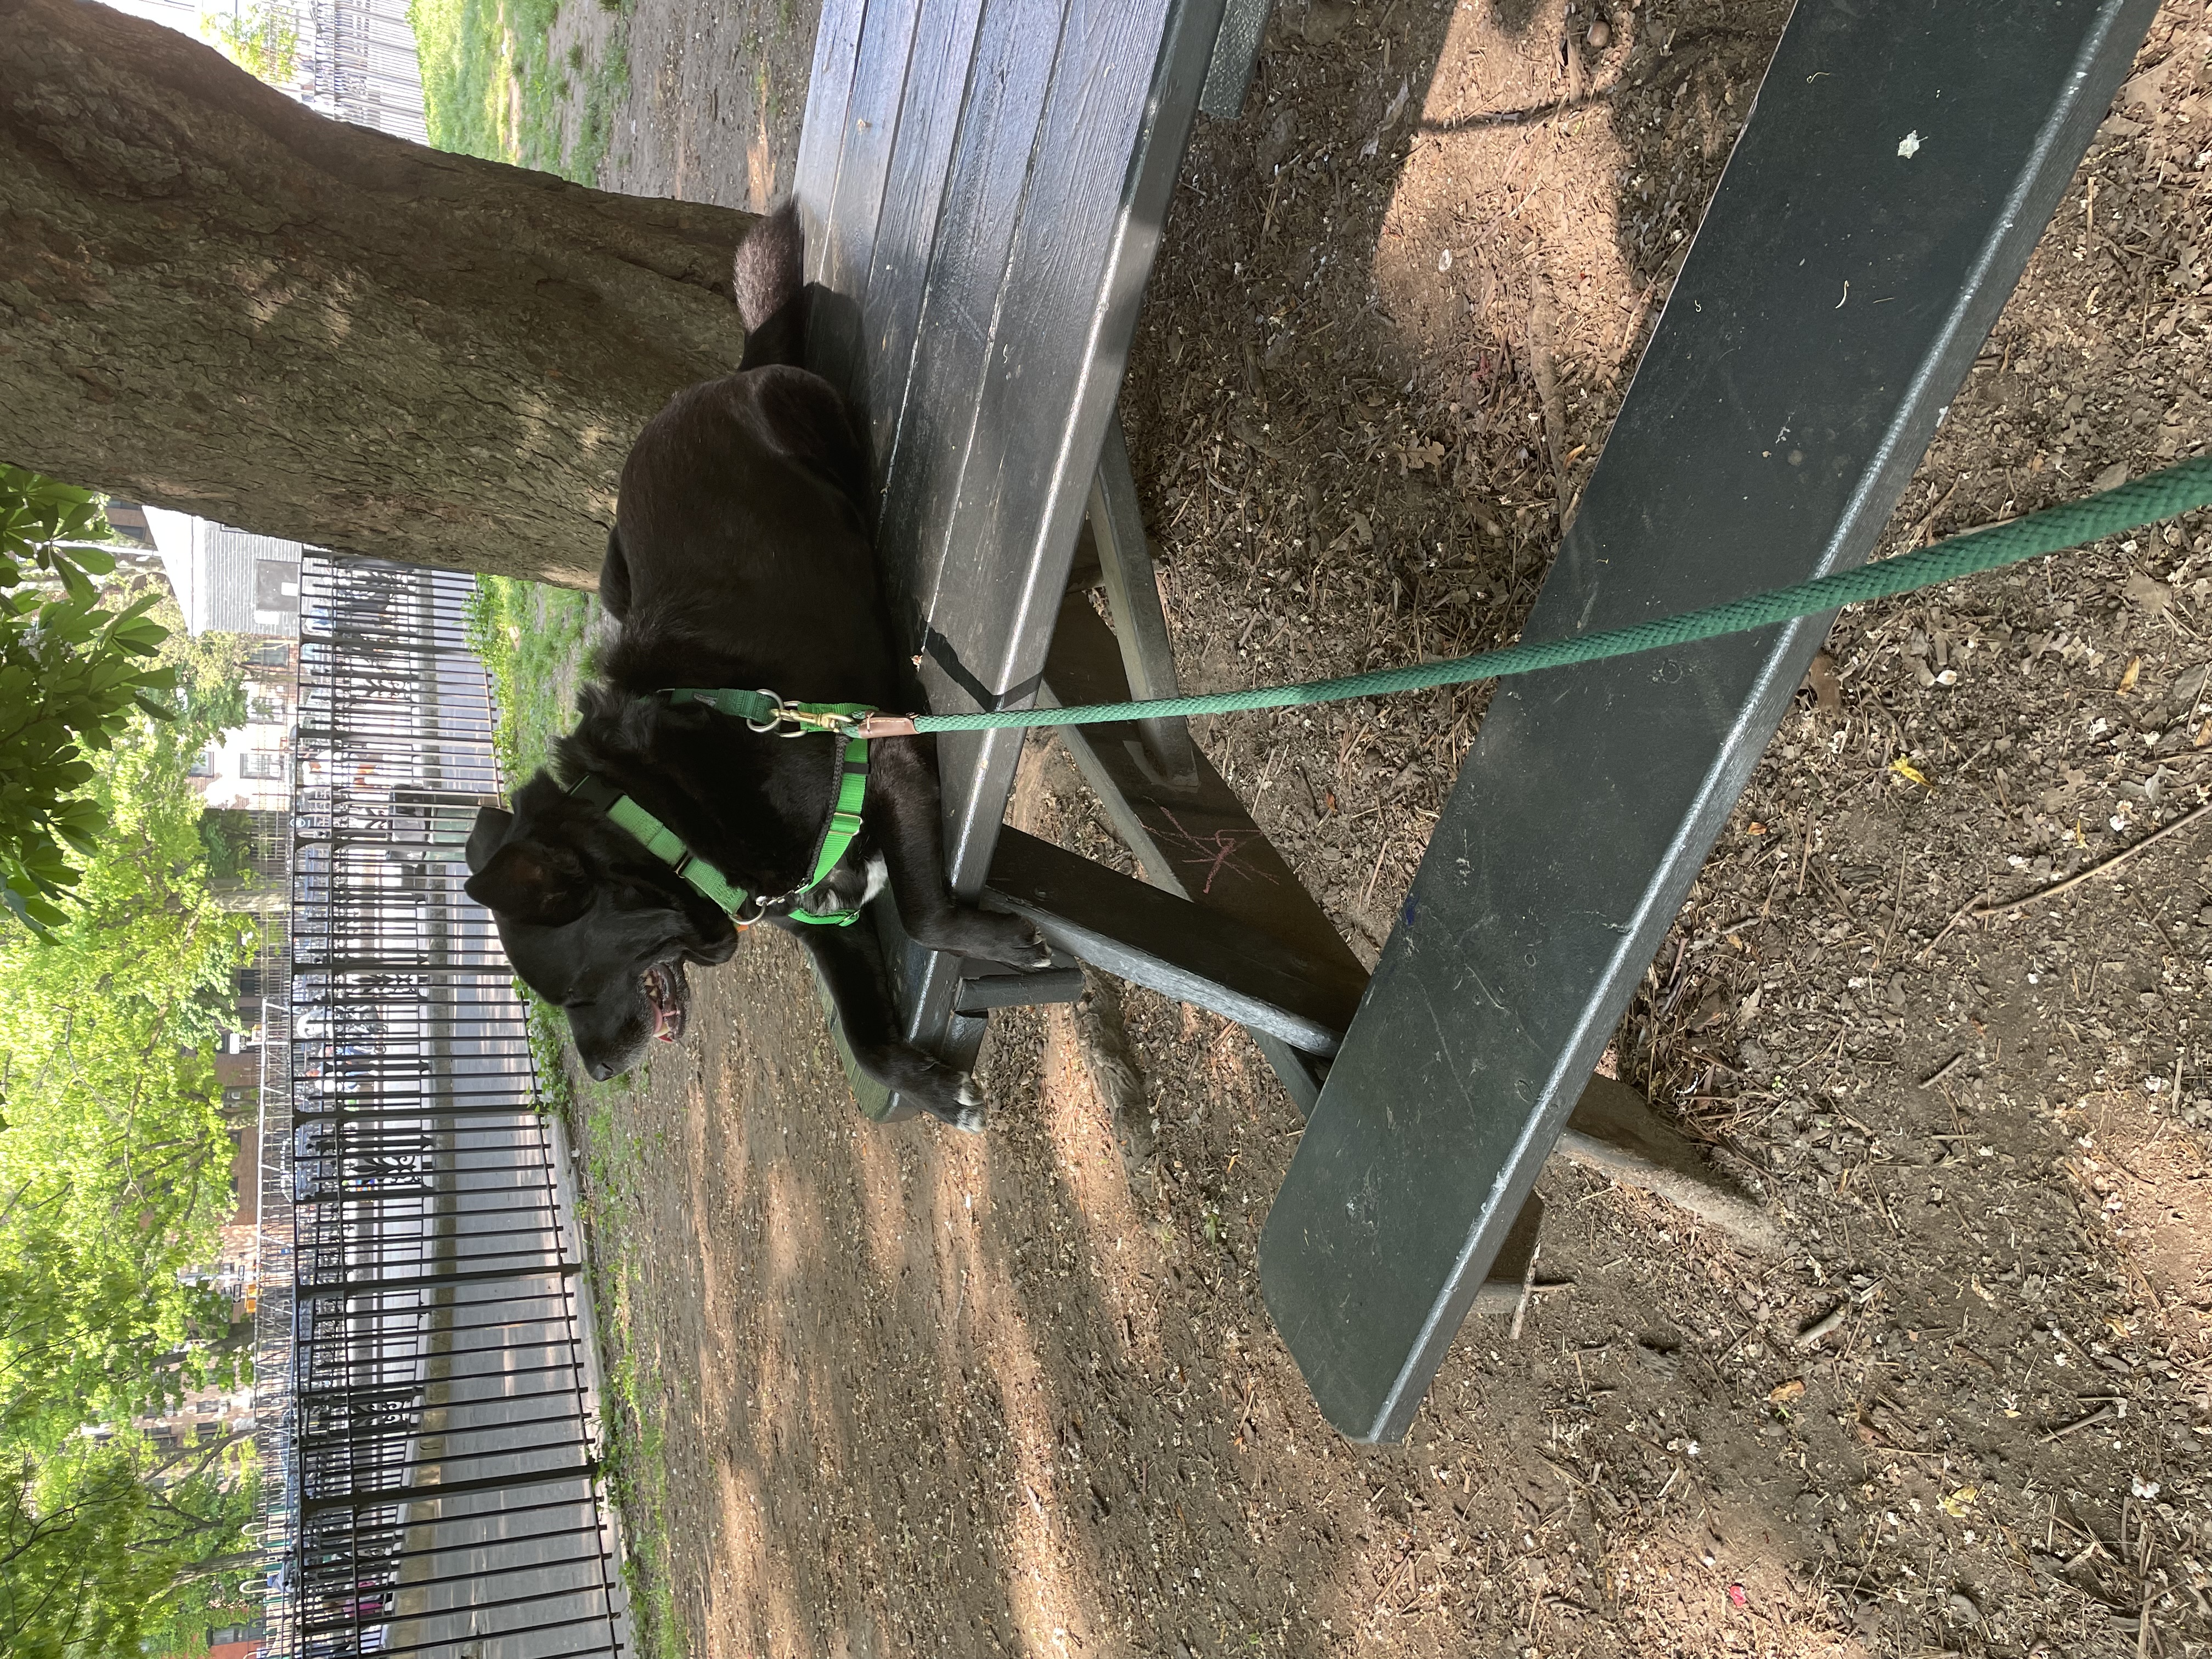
point(214, 301)
point(215, 1563)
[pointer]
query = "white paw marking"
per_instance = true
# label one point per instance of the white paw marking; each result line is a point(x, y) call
point(879, 876)
point(969, 1121)
point(970, 1094)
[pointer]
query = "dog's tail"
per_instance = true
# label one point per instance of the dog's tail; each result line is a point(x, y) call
point(767, 271)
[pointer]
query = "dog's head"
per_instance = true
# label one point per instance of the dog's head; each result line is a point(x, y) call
point(592, 922)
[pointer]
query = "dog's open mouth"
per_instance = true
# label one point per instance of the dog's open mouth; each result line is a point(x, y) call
point(664, 989)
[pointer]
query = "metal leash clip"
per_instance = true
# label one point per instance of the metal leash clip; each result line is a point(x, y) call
point(775, 720)
point(816, 720)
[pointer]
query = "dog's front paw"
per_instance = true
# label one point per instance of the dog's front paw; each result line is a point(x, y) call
point(953, 1098)
point(969, 1117)
point(1013, 942)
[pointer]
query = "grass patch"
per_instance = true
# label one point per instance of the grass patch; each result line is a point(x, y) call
point(531, 638)
point(637, 1473)
point(620, 1154)
point(605, 88)
point(491, 85)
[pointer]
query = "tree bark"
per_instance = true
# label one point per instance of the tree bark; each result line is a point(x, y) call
point(216, 300)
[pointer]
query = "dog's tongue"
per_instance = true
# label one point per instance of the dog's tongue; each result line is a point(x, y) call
point(667, 1012)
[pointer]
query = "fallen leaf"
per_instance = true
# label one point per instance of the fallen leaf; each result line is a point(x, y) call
point(1827, 694)
point(1958, 1503)
point(1783, 1393)
point(1905, 769)
point(1325, 20)
point(2128, 680)
point(2111, 477)
point(2143, 90)
point(2147, 594)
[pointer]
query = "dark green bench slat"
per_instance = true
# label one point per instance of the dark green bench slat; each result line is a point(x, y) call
point(954, 328)
point(1079, 265)
point(1767, 435)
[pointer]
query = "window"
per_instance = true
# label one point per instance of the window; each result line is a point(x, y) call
point(261, 763)
point(264, 711)
point(276, 587)
point(274, 654)
point(204, 766)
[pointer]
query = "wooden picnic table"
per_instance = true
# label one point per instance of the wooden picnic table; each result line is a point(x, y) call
point(983, 183)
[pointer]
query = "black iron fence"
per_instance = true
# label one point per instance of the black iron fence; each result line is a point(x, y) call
point(431, 1409)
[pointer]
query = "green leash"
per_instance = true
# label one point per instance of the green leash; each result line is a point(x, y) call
point(2178, 488)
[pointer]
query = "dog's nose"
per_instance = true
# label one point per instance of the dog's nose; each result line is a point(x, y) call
point(600, 1070)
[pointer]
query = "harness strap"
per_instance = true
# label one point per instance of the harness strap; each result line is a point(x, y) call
point(667, 846)
point(840, 829)
point(763, 711)
point(757, 707)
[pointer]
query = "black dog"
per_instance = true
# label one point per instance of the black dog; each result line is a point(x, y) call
point(741, 557)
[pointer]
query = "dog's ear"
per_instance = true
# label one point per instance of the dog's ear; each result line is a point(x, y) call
point(529, 881)
point(491, 827)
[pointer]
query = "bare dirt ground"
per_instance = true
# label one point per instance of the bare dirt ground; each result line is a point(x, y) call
point(919, 1393)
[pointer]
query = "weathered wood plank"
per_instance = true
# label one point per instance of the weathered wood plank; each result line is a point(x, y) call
point(938, 71)
point(1048, 413)
point(955, 327)
point(981, 266)
point(842, 246)
point(836, 40)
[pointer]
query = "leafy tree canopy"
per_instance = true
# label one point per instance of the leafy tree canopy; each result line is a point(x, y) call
point(107, 1549)
point(114, 1158)
point(73, 675)
point(116, 972)
point(260, 39)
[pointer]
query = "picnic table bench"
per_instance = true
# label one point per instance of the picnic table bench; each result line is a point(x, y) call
point(983, 183)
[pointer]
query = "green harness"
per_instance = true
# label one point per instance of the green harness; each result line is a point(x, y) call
point(763, 711)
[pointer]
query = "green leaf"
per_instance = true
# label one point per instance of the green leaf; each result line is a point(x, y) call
point(79, 586)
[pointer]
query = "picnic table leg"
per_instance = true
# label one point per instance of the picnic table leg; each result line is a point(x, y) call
point(1193, 835)
point(1132, 594)
point(1236, 54)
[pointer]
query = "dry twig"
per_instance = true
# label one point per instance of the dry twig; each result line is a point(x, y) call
point(1978, 912)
